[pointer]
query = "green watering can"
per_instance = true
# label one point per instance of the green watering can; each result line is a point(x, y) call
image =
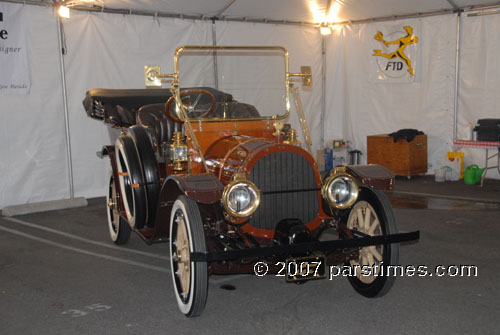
point(473, 174)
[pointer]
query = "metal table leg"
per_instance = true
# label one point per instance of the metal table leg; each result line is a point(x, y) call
point(486, 168)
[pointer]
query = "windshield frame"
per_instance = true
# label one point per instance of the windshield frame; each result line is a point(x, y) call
point(176, 89)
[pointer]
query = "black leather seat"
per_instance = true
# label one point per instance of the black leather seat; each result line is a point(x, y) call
point(160, 126)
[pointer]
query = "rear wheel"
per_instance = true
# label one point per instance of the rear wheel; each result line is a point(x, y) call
point(190, 279)
point(372, 214)
point(119, 230)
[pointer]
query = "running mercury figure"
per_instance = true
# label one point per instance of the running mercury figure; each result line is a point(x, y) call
point(403, 42)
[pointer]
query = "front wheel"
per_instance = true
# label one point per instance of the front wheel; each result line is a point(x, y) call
point(190, 279)
point(372, 214)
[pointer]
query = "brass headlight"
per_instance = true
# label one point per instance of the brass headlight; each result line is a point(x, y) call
point(340, 190)
point(241, 197)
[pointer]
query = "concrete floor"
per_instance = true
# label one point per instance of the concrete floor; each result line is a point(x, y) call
point(426, 186)
point(60, 274)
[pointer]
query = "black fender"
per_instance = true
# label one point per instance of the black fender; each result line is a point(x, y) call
point(205, 189)
point(372, 175)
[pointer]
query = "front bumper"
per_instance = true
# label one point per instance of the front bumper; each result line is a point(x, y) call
point(303, 248)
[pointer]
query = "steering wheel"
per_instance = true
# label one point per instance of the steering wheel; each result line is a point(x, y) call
point(198, 103)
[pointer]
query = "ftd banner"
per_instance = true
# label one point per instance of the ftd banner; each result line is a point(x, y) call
point(14, 65)
point(394, 52)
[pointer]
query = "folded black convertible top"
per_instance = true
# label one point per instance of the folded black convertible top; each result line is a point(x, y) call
point(119, 106)
point(131, 99)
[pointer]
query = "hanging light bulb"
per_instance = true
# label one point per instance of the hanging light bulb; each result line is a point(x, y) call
point(63, 12)
point(325, 30)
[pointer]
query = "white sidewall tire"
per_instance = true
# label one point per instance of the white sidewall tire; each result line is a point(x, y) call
point(129, 211)
point(198, 284)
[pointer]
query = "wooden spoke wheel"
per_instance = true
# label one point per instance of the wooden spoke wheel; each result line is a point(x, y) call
point(119, 230)
point(372, 214)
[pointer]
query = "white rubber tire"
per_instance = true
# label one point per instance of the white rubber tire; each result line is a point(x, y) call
point(185, 211)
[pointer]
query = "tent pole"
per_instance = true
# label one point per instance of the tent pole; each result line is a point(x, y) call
point(323, 90)
point(62, 51)
point(214, 43)
point(457, 67)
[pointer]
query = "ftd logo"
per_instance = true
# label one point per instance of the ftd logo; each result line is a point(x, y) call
point(392, 58)
point(396, 66)
point(3, 32)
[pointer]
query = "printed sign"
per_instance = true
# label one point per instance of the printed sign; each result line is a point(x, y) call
point(14, 66)
point(395, 54)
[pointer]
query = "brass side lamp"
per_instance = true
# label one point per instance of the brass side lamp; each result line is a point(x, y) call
point(178, 152)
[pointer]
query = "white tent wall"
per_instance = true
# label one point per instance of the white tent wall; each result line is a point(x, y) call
point(110, 51)
point(357, 107)
point(479, 83)
point(32, 130)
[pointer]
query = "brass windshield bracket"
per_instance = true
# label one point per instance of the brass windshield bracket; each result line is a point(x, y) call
point(305, 74)
point(154, 78)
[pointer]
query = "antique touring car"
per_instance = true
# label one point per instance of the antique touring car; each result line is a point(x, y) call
point(229, 185)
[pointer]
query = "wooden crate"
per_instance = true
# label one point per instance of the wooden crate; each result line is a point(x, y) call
point(402, 158)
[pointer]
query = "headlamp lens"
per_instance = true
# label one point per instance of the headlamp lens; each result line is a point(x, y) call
point(241, 199)
point(341, 191)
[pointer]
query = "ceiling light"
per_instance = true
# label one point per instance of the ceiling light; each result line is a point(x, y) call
point(63, 12)
point(325, 30)
point(65, 5)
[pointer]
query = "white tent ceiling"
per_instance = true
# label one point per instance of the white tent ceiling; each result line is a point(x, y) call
point(304, 11)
